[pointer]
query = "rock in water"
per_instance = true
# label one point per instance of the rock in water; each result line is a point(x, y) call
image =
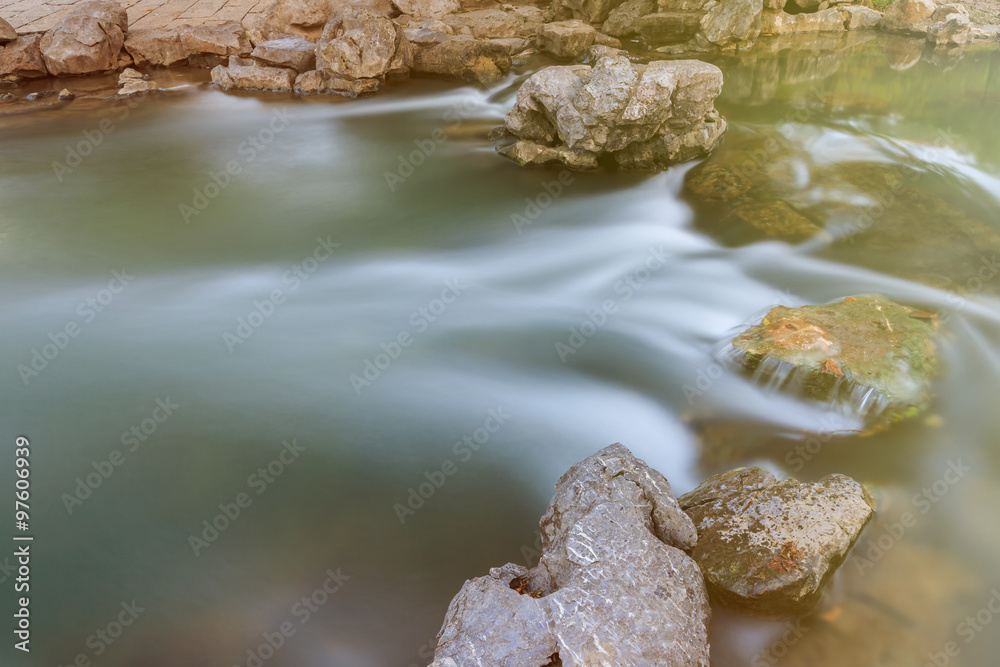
point(613, 586)
point(645, 116)
point(883, 352)
point(768, 546)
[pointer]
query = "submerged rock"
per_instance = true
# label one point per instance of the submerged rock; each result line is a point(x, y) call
point(882, 353)
point(644, 116)
point(612, 567)
point(771, 547)
point(87, 40)
point(133, 82)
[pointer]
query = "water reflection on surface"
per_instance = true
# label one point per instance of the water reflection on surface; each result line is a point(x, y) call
point(833, 127)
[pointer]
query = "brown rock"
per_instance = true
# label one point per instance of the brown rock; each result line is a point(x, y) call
point(566, 39)
point(465, 59)
point(87, 40)
point(156, 46)
point(22, 58)
point(294, 52)
point(254, 78)
point(222, 39)
point(364, 46)
point(7, 32)
point(322, 82)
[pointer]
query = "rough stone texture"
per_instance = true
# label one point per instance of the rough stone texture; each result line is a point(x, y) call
point(771, 547)
point(613, 586)
point(665, 28)
point(22, 58)
point(428, 8)
point(732, 23)
point(908, 16)
point(955, 29)
point(223, 39)
point(645, 116)
point(254, 78)
point(566, 39)
point(529, 153)
point(156, 46)
point(7, 32)
point(293, 52)
point(859, 17)
point(466, 59)
point(301, 18)
point(364, 46)
point(868, 343)
point(591, 11)
point(944, 11)
point(623, 20)
point(486, 23)
point(134, 83)
point(782, 23)
point(321, 82)
point(88, 40)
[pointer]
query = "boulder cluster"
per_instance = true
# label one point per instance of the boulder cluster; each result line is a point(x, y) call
point(623, 572)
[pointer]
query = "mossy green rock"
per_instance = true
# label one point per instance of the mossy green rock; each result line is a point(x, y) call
point(770, 547)
point(860, 342)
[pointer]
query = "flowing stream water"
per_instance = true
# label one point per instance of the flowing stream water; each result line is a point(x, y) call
point(438, 344)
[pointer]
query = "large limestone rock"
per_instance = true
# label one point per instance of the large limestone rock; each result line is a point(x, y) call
point(296, 53)
point(645, 116)
point(487, 23)
point(613, 586)
point(156, 46)
point(732, 23)
point(364, 46)
point(770, 546)
point(466, 59)
point(428, 8)
point(87, 40)
point(7, 32)
point(908, 16)
point(241, 77)
point(22, 59)
point(566, 39)
point(868, 350)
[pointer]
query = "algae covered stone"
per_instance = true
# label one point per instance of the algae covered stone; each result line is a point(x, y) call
point(771, 547)
point(876, 353)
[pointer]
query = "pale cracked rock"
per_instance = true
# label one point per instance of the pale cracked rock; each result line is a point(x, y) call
point(156, 46)
point(644, 116)
point(771, 547)
point(428, 8)
point(322, 82)
point(613, 586)
point(134, 83)
point(479, 60)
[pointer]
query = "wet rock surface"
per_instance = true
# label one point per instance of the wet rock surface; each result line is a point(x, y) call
point(240, 77)
point(867, 349)
point(612, 567)
point(771, 547)
point(133, 83)
point(643, 116)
